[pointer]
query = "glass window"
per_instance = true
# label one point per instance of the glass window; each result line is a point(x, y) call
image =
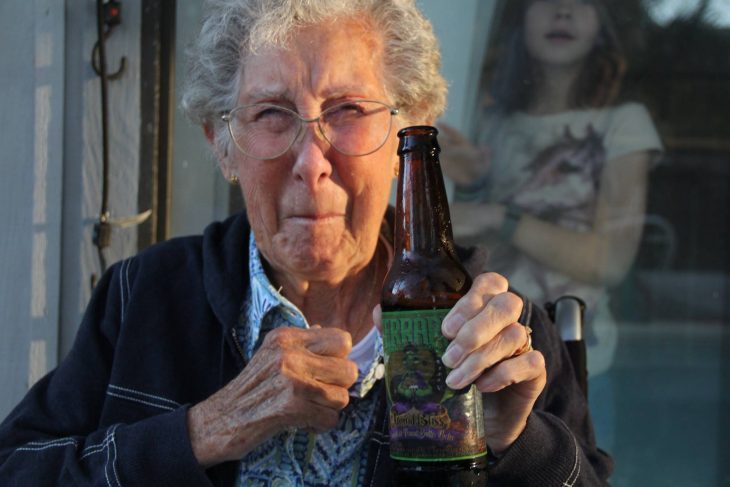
point(596, 164)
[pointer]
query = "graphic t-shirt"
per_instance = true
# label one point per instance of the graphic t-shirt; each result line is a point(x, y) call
point(549, 166)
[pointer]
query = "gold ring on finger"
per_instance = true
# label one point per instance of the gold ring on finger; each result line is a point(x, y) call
point(527, 346)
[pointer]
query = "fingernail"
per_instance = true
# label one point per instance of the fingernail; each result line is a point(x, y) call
point(450, 326)
point(454, 379)
point(452, 355)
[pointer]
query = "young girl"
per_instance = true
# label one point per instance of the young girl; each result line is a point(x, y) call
point(556, 185)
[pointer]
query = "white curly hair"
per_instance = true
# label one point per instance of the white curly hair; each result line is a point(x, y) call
point(233, 29)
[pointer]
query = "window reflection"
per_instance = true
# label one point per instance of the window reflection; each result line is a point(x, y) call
point(599, 165)
point(664, 12)
point(561, 162)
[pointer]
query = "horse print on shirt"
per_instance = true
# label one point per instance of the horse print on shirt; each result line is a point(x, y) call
point(561, 175)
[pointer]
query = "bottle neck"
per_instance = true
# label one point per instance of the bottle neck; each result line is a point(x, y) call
point(422, 220)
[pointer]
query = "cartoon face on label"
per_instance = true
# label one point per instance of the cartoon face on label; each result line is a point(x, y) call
point(417, 379)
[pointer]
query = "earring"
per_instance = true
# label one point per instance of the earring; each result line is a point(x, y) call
point(233, 178)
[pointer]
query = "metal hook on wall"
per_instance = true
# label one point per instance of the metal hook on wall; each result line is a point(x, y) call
point(111, 16)
point(97, 69)
point(108, 16)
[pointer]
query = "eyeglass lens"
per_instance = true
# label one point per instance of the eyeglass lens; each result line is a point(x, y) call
point(265, 131)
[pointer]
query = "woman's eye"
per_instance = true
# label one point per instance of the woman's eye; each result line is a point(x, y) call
point(345, 112)
point(267, 118)
point(348, 108)
point(268, 114)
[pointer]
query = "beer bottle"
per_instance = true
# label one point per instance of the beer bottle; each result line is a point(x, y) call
point(436, 434)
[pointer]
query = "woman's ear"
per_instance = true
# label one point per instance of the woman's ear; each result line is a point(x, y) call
point(209, 134)
point(228, 172)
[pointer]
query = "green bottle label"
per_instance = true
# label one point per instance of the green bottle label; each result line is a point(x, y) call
point(428, 421)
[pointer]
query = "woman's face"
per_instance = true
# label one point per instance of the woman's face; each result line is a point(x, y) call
point(561, 33)
point(315, 212)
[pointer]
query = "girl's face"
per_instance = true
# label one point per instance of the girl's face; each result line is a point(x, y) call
point(561, 33)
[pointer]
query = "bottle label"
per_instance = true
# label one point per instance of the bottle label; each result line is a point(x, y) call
point(428, 420)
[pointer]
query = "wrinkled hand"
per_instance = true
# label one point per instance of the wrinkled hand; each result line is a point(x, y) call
point(297, 379)
point(485, 336)
point(461, 161)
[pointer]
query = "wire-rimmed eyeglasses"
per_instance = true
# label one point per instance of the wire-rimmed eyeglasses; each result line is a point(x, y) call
point(354, 128)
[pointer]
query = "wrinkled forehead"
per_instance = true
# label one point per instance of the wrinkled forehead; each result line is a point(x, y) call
point(343, 56)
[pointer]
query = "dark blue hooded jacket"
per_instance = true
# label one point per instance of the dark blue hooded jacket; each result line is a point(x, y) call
point(158, 337)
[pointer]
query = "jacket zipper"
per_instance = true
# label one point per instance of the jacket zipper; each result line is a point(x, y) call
point(237, 344)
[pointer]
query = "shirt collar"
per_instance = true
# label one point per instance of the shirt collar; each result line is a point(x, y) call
point(265, 307)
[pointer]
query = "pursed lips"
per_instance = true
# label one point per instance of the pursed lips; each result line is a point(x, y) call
point(311, 218)
point(560, 35)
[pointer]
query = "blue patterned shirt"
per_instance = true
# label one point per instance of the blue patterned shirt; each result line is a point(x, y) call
point(297, 458)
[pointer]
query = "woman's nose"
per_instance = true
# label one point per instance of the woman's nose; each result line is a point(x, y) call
point(312, 152)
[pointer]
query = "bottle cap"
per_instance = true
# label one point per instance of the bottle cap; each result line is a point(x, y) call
point(418, 138)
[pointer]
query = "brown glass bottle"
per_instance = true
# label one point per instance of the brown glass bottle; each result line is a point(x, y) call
point(436, 434)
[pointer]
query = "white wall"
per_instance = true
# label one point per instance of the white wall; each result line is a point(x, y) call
point(31, 109)
point(82, 160)
point(50, 176)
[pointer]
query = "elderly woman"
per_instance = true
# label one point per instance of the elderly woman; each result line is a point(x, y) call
point(249, 356)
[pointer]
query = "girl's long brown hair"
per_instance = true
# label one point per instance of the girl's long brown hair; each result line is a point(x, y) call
point(511, 75)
